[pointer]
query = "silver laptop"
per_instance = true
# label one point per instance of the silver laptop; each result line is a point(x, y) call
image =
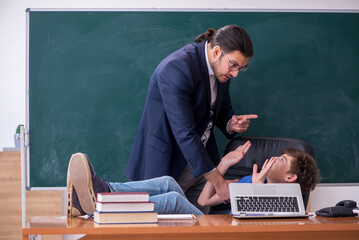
point(280, 200)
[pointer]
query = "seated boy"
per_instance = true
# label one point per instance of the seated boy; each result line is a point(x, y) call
point(293, 166)
point(83, 183)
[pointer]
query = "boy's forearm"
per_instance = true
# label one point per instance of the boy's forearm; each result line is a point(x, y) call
point(207, 192)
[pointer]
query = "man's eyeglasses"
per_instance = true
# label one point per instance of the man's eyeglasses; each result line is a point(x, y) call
point(235, 66)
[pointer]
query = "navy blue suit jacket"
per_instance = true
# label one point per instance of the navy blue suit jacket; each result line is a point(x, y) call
point(175, 115)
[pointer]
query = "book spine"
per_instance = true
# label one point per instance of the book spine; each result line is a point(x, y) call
point(124, 212)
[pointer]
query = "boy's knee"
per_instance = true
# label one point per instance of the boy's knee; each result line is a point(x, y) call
point(169, 180)
point(175, 196)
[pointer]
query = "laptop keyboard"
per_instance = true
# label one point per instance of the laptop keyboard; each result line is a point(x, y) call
point(266, 204)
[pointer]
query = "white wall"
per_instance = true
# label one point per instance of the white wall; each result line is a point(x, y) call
point(327, 195)
point(12, 39)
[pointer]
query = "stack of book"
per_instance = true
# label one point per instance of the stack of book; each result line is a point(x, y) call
point(113, 208)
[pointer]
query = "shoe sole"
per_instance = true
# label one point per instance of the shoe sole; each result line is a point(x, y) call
point(71, 210)
point(69, 195)
point(81, 180)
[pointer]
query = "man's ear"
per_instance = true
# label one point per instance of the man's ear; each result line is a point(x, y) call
point(291, 178)
point(216, 51)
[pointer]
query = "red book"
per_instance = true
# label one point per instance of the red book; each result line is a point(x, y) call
point(123, 197)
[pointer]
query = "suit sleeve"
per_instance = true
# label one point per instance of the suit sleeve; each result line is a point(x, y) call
point(175, 86)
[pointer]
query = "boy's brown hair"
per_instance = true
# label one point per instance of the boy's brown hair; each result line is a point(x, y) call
point(305, 168)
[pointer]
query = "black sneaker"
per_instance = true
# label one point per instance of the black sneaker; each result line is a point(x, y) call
point(82, 186)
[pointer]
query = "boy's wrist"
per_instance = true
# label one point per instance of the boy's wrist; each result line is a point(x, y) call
point(222, 169)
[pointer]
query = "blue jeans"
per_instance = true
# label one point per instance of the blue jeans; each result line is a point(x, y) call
point(164, 192)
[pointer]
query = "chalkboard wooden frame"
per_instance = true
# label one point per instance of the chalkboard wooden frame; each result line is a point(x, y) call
point(269, 88)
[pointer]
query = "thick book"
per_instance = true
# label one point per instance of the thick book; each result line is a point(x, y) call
point(125, 206)
point(123, 197)
point(124, 217)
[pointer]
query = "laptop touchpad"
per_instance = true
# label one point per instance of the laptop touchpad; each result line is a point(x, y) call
point(264, 190)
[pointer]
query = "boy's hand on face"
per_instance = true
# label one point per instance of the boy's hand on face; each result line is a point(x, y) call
point(261, 176)
point(233, 157)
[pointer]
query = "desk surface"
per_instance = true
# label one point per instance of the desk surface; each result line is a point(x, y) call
point(206, 227)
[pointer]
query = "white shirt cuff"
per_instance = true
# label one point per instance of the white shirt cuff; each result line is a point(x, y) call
point(210, 171)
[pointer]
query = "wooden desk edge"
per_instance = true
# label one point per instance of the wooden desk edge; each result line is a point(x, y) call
point(332, 226)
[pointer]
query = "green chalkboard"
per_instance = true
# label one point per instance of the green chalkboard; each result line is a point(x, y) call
point(89, 72)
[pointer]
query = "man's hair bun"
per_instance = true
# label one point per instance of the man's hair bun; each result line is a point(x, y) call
point(207, 36)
